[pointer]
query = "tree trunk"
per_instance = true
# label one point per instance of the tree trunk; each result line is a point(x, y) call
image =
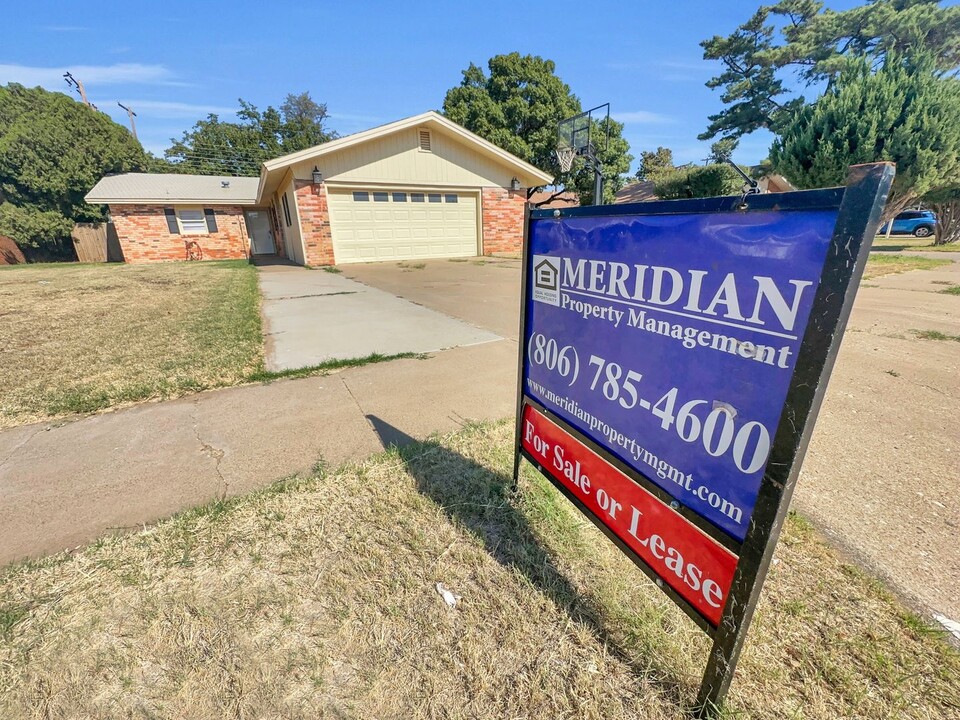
point(896, 204)
point(948, 221)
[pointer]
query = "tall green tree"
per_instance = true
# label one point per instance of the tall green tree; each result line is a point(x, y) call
point(654, 162)
point(904, 112)
point(517, 107)
point(945, 202)
point(696, 181)
point(803, 40)
point(53, 150)
point(216, 147)
point(722, 150)
point(303, 123)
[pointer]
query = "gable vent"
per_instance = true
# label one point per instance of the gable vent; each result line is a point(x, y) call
point(425, 140)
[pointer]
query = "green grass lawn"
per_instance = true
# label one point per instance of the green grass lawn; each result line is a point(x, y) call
point(879, 265)
point(317, 598)
point(79, 338)
point(896, 243)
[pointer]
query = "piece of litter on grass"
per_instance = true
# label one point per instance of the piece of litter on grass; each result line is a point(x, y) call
point(952, 625)
point(448, 597)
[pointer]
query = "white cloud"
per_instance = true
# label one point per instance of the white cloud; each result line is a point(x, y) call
point(118, 74)
point(167, 109)
point(637, 117)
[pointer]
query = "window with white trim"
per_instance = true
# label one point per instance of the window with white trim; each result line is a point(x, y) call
point(192, 221)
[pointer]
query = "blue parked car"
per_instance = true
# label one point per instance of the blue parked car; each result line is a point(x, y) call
point(919, 223)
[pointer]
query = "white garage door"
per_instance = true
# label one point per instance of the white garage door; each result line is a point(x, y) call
point(370, 225)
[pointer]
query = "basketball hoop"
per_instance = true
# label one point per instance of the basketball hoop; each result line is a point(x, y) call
point(565, 158)
point(585, 134)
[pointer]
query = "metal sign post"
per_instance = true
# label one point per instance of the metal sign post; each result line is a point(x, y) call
point(673, 359)
point(857, 224)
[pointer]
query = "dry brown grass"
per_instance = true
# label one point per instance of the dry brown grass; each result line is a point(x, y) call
point(879, 265)
point(316, 598)
point(80, 338)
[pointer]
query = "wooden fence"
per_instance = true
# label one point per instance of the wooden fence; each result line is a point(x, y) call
point(96, 242)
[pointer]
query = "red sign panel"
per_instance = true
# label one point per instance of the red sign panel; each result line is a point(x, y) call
point(697, 567)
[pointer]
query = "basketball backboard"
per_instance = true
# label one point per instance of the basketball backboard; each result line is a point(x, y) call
point(585, 132)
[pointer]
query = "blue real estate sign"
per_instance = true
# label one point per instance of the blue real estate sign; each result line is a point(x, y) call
point(670, 341)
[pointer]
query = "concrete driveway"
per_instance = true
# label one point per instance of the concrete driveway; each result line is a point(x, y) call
point(484, 292)
point(312, 316)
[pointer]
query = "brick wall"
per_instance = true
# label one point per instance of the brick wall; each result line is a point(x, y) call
point(502, 219)
point(145, 237)
point(314, 222)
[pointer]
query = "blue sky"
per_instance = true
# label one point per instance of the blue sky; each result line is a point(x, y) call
point(373, 62)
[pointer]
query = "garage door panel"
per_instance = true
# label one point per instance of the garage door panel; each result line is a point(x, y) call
point(397, 230)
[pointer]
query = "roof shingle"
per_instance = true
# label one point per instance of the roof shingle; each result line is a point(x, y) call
point(135, 188)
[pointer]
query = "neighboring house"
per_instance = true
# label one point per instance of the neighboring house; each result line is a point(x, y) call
point(422, 187)
point(774, 184)
point(641, 191)
point(543, 200)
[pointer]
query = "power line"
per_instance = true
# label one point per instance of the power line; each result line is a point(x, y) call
point(214, 154)
point(224, 152)
point(219, 158)
point(216, 158)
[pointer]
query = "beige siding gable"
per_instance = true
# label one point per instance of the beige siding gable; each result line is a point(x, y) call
point(397, 159)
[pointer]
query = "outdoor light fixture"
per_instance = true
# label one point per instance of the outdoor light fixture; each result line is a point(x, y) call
point(515, 185)
point(317, 175)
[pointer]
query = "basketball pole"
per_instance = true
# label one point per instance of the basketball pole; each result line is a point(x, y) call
point(597, 182)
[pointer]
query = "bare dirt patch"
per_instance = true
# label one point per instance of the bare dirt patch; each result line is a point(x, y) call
point(317, 598)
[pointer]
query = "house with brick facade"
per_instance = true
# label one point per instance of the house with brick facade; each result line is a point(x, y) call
point(422, 187)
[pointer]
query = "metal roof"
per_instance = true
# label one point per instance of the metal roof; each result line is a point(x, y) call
point(641, 191)
point(159, 188)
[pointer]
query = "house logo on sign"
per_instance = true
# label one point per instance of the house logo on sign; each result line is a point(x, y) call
point(546, 279)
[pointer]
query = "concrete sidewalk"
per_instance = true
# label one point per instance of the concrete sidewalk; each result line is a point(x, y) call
point(64, 486)
point(312, 316)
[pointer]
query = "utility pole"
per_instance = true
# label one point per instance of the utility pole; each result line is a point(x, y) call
point(78, 85)
point(133, 125)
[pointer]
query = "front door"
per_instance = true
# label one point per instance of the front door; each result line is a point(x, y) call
point(261, 235)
